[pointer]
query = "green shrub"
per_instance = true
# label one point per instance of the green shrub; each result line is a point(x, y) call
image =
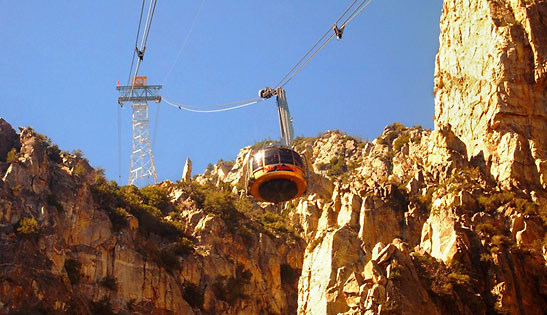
point(273, 223)
point(443, 288)
point(262, 144)
point(403, 139)
point(244, 205)
point(156, 196)
point(54, 154)
point(118, 218)
point(118, 201)
point(492, 202)
point(299, 143)
point(150, 222)
point(79, 169)
point(459, 278)
point(542, 212)
point(433, 275)
point(12, 156)
point(486, 257)
point(28, 226)
point(52, 150)
point(396, 269)
point(486, 229)
point(222, 204)
point(393, 131)
point(183, 247)
point(218, 202)
point(501, 240)
point(72, 267)
point(465, 179)
point(194, 191)
point(335, 167)
point(522, 204)
point(78, 153)
point(228, 164)
point(110, 283)
point(381, 140)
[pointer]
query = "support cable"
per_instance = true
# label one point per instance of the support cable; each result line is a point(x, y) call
point(345, 12)
point(151, 11)
point(119, 145)
point(231, 104)
point(136, 43)
point(146, 32)
point(183, 45)
point(357, 11)
point(305, 63)
point(187, 108)
point(156, 123)
point(301, 59)
point(311, 53)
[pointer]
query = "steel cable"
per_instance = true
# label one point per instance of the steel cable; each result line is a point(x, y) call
point(187, 108)
point(310, 54)
point(299, 65)
point(183, 45)
point(136, 43)
point(357, 11)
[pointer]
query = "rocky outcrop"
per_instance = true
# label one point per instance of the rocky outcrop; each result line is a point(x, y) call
point(187, 171)
point(8, 139)
point(409, 224)
point(403, 225)
point(329, 262)
point(72, 242)
point(490, 83)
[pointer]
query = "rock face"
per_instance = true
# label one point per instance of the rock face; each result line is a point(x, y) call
point(8, 139)
point(413, 226)
point(490, 85)
point(403, 225)
point(71, 242)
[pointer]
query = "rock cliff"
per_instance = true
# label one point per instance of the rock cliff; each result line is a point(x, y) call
point(490, 85)
point(71, 242)
point(449, 221)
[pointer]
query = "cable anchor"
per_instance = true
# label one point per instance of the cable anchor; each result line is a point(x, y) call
point(267, 92)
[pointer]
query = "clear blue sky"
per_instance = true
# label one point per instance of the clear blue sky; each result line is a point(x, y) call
point(60, 61)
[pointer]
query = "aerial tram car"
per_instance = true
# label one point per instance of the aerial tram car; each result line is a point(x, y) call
point(277, 173)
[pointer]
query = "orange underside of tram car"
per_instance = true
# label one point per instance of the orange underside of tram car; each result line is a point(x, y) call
point(278, 183)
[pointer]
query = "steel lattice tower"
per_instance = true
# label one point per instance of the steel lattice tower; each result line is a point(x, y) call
point(142, 159)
